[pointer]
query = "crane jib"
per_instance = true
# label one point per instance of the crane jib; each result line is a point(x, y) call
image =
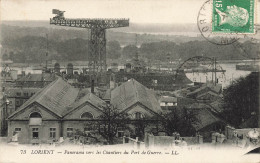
point(91, 23)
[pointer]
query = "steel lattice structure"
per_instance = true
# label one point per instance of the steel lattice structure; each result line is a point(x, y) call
point(211, 62)
point(97, 58)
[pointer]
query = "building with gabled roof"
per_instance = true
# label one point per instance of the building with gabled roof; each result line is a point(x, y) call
point(59, 110)
point(207, 92)
point(54, 97)
point(206, 122)
point(132, 96)
point(53, 112)
point(140, 103)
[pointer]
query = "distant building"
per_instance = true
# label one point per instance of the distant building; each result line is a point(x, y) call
point(168, 103)
point(35, 80)
point(19, 95)
point(207, 92)
point(205, 121)
point(9, 76)
point(154, 80)
point(13, 98)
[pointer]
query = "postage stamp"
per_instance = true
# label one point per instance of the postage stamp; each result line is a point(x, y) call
point(233, 16)
point(204, 22)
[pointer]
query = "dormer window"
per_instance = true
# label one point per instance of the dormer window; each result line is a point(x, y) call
point(138, 115)
point(87, 115)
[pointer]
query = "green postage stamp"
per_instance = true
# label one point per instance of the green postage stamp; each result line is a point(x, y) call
point(233, 16)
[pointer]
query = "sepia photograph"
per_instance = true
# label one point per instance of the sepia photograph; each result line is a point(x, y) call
point(129, 81)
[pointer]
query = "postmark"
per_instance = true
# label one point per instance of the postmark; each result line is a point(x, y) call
point(204, 22)
point(233, 16)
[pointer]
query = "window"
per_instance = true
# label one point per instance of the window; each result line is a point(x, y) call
point(35, 119)
point(26, 94)
point(87, 115)
point(53, 133)
point(17, 131)
point(69, 132)
point(170, 104)
point(18, 93)
point(162, 103)
point(32, 94)
point(102, 128)
point(35, 133)
point(120, 132)
point(17, 102)
point(154, 82)
point(138, 115)
point(88, 129)
point(35, 115)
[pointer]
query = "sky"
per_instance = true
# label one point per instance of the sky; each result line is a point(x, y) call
point(139, 11)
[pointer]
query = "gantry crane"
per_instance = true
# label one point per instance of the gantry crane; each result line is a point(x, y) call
point(97, 46)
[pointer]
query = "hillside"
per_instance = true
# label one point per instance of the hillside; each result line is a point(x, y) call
point(28, 43)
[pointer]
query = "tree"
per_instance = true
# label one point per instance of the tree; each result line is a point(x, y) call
point(158, 50)
point(110, 121)
point(104, 128)
point(130, 51)
point(140, 126)
point(181, 122)
point(241, 99)
point(113, 50)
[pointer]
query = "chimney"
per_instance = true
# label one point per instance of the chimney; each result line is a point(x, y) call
point(23, 73)
point(92, 86)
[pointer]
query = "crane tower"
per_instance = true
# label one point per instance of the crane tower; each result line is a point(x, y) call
point(97, 46)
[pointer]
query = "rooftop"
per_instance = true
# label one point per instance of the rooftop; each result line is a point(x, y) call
point(55, 97)
point(47, 77)
point(211, 87)
point(61, 98)
point(168, 99)
point(132, 92)
point(12, 92)
point(205, 118)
